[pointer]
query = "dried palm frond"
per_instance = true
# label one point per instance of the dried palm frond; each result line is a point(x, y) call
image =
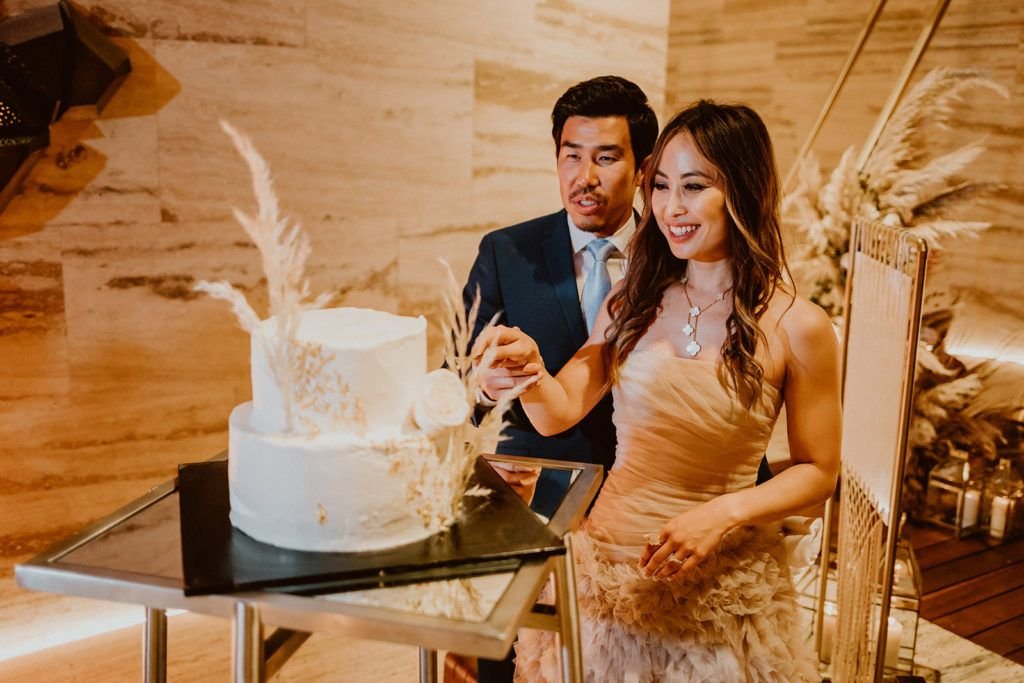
point(1002, 391)
point(952, 395)
point(959, 195)
point(915, 187)
point(935, 231)
point(929, 361)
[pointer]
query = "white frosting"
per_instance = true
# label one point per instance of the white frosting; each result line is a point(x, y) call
point(328, 493)
point(331, 488)
point(381, 357)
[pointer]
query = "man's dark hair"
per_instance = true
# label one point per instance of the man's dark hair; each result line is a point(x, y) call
point(609, 96)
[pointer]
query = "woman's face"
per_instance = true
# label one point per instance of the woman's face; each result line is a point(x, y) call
point(688, 201)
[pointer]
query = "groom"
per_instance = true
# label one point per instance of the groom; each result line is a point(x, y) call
point(548, 275)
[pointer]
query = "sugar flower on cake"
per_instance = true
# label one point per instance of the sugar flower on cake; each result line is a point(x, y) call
point(440, 402)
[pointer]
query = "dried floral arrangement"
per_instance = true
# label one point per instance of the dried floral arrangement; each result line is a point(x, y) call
point(438, 470)
point(446, 478)
point(284, 250)
point(902, 185)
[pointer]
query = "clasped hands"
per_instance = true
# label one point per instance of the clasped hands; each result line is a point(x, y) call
point(507, 360)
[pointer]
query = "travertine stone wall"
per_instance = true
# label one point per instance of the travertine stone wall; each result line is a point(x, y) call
point(783, 57)
point(396, 132)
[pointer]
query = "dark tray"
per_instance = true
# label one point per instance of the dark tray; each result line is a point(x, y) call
point(493, 534)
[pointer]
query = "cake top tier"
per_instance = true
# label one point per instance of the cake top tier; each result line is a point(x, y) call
point(351, 370)
point(353, 328)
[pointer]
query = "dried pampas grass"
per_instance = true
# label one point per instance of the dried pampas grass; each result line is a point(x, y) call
point(898, 184)
point(449, 476)
point(284, 251)
point(436, 467)
point(903, 186)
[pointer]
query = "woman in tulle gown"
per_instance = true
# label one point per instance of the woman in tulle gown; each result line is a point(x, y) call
point(680, 565)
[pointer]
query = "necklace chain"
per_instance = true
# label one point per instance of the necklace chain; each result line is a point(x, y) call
point(693, 316)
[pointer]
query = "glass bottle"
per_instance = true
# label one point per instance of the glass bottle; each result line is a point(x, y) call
point(1003, 502)
point(953, 498)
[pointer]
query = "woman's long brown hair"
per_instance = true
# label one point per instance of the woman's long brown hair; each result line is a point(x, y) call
point(734, 139)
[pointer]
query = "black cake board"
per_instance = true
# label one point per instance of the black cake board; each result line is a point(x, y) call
point(493, 534)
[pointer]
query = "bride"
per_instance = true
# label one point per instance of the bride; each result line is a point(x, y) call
point(681, 569)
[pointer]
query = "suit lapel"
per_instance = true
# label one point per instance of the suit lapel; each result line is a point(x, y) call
point(558, 252)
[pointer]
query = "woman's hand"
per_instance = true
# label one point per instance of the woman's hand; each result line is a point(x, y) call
point(508, 347)
point(686, 540)
point(507, 359)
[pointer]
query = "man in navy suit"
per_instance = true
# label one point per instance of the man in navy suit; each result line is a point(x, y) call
point(534, 273)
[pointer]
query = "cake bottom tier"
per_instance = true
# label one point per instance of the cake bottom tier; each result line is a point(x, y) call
point(329, 493)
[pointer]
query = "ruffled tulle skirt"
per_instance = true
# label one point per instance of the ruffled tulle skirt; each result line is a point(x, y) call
point(734, 618)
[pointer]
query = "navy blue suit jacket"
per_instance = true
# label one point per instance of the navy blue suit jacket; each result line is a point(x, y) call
point(526, 272)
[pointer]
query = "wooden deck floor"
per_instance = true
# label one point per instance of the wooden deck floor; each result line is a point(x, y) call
point(973, 588)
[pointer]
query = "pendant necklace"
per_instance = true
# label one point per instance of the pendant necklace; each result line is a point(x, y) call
point(690, 328)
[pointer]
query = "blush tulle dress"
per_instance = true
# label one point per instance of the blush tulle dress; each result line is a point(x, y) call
point(682, 440)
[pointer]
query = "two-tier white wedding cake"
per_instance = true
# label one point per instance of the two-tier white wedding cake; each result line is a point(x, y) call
point(331, 487)
point(348, 444)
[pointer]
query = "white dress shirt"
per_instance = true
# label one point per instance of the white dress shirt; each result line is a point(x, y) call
point(582, 259)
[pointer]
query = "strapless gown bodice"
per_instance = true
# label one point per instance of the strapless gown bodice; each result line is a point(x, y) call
point(683, 438)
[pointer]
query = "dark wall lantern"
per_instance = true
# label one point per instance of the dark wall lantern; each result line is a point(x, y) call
point(51, 59)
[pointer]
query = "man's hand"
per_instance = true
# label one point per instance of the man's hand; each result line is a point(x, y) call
point(522, 478)
point(508, 347)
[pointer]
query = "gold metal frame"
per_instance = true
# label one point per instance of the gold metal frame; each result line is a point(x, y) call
point(865, 233)
point(904, 79)
point(844, 73)
point(924, 39)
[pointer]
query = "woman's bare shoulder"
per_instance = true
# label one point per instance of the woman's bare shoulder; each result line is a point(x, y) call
point(805, 324)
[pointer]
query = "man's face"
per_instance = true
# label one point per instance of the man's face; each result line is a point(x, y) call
point(596, 173)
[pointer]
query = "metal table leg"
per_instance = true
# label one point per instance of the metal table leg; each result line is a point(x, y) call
point(428, 665)
point(154, 646)
point(247, 644)
point(568, 616)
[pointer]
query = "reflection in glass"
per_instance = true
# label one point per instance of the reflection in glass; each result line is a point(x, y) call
point(147, 542)
point(467, 599)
